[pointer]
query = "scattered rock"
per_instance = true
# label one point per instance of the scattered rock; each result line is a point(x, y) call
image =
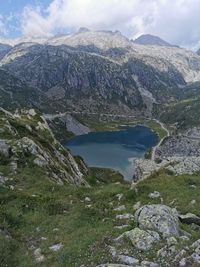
point(183, 262)
point(119, 196)
point(196, 244)
point(56, 247)
point(113, 265)
point(149, 264)
point(166, 251)
point(120, 208)
point(87, 199)
point(4, 148)
point(193, 186)
point(128, 260)
point(122, 226)
point(141, 239)
point(32, 112)
point(189, 218)
point(196, 256)
point(123, 258)
point(171, 241)
point(38, 256)
point(3, 179)
point(137, 205)
point(126, 216)
point(193, 202)
point(155, 194)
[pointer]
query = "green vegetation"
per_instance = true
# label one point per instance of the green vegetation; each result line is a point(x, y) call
point(37, 213)
point(185, 114)
point(97, 124)
point(156, 128)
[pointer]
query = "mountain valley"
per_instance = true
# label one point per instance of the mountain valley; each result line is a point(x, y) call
point(57, 211)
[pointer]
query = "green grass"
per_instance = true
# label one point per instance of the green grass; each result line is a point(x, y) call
point(156, 128)
point(37, 206)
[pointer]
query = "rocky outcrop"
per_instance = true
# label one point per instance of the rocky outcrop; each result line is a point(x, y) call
point(178, 154)
point(158, 218)
point(148, 39)
point(159, 234)
point(187, 145)
point(70, 123)
point(174, 165)
point(190, 218)
point(29, 138)
point(142, 239)
point(4, 148)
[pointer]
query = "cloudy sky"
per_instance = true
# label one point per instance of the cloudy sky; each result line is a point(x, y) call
point(176, 21)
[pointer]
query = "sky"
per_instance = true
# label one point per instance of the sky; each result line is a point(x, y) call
point(176, 21)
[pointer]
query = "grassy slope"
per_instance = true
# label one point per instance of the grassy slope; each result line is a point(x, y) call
point(37, 206)
point(185, 113)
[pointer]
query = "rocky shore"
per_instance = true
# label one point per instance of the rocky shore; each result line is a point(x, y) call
point(178, 154)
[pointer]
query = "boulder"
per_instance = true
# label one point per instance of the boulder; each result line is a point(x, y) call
point(158, 218)
point(155, 194)
point(141, 239)
point(189, 218)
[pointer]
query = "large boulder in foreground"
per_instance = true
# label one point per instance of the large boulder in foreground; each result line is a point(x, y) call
point(159, 218)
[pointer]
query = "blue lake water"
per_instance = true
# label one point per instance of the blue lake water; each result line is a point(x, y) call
point(117, 150)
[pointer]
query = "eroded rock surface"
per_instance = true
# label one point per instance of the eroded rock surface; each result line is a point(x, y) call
point(158, 218)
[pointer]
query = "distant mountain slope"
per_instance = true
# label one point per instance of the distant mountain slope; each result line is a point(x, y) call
point(148, 39)
point(4, 49)
point(16, 94)
point(198, 52)
point(101, 71)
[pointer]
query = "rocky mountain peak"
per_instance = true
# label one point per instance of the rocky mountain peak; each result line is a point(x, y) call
point(101, 39)
point(83, 29)
point(148, 39)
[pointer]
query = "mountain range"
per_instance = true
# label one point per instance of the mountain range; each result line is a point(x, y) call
point(95, 71)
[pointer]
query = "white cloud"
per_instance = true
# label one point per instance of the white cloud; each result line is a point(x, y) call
point(2, 26)
point(176, 21)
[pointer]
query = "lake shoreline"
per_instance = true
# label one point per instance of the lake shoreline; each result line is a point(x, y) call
point(115, 150)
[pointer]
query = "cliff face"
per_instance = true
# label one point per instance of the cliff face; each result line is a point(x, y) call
point(26, 140)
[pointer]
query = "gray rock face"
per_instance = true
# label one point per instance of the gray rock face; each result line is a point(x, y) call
point(180, 146)
point(176, 165)
point(74, 125)
point(141, 239)
point(103, 70)
point(4, 148)
point(46, 153)
point(189, 218)
point(196, 254)
point(4, 49)
point(154, 194)
point(158, 218)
